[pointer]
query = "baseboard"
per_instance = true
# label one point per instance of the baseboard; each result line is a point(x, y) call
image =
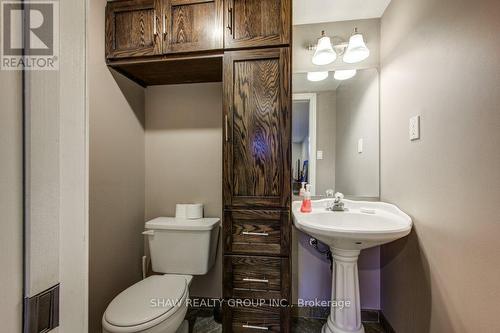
point(385, 324)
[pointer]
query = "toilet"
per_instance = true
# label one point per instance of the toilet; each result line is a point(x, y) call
point(179, 248)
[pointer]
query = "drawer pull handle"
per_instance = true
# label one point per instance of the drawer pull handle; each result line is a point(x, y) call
point(230, 20)
point(155, 32)
point(262, 328)
point(248, 233)
point(256, 280)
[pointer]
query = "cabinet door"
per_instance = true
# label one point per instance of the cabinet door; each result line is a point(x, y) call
point(133, 28)
point(192, 25)
point(251, 23)
point(257, 128)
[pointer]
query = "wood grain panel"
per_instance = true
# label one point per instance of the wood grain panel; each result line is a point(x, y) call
point(193, 25)
point(257, 147)
point(254, 277)
point(237, 319)
point(132, 28)
point(269, 232)
point(254, 23)
point(171, 70)
point(256, 123)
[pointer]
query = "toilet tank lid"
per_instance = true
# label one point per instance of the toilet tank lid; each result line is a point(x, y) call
point(175, 223)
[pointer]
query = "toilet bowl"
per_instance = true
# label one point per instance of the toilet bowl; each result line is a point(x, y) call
point(157, 304)
point(180, 248)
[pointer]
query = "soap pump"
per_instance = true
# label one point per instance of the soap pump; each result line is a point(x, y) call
point(306, 200)
point(302, 189)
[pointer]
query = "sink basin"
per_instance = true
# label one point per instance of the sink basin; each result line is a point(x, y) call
point(362, 225)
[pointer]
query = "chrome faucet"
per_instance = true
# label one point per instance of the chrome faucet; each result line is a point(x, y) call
point(336, 205)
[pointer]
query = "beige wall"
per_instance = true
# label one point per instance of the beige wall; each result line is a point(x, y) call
point(440, 59)
point(184, 158)
point(358, 118)
point(116, 176)
point(11, 237)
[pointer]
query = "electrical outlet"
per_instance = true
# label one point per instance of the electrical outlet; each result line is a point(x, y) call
point(414, 128)
point(319, 155)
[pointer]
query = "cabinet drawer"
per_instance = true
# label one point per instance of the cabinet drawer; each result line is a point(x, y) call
point(247, 320)
point(256, 277)
point(257, 232)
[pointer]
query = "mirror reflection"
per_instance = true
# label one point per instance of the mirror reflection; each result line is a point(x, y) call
point(335, 131)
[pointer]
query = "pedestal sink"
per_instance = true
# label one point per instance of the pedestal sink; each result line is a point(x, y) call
point(362, 225)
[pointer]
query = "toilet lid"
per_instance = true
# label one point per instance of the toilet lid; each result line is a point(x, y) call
point(147, 300)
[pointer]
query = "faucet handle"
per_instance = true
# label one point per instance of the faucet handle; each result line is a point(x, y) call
point(339, 196)
point(330, 193)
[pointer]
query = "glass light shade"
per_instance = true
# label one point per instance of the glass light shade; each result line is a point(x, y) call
point(317, 76)
point(356, 50)
point(344, 74)
point(324, 54)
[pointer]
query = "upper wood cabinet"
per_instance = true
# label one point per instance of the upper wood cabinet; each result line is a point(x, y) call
point(192, 25)
point(133, 28)
point(253, 23)
point(257, 128)
point(137, 28)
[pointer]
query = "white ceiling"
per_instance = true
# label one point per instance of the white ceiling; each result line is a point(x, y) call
point(319, 11)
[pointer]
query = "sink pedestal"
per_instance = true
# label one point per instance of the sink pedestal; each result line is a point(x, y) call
point(345, 288)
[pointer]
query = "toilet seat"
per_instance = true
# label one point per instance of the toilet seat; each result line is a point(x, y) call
point(147, 303)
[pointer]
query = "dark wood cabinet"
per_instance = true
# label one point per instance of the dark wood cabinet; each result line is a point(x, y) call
point(139, 28)
point(133, 28)
point(256, 189)
point(192, 25)
point(257, 128)
point(254, 23)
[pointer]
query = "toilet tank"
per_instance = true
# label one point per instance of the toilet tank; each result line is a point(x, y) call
point(182, 246)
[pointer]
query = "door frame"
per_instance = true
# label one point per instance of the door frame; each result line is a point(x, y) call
point(312, 99)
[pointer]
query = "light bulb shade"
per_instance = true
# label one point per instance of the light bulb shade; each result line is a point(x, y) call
point(324, 54)
point(317, 76)
point(344, 74)
point(356, 50)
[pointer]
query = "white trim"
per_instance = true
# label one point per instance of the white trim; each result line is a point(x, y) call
point(311, 97)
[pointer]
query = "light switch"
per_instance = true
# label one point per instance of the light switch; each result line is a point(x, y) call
point(414, 128)
point(319, 155)
point(360, 145)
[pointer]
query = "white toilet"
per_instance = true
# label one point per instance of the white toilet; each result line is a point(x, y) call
point(180, 248)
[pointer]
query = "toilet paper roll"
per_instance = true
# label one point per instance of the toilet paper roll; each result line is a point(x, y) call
point(181, 211)
point(194, 211)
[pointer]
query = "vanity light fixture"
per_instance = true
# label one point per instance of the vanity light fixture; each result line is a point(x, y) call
point(345, 74)
point(356, 50)
point(317, 76)
point(324, 53)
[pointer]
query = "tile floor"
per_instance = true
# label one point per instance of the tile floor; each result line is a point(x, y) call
point(202, 321)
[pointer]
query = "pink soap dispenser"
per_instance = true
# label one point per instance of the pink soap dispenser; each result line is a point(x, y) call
point(306, 200)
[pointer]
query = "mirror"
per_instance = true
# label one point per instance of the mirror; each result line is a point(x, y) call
point(335, 133)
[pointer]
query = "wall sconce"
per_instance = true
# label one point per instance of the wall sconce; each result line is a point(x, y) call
point(356, 50)
point(353, 52)
point(324, 53)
